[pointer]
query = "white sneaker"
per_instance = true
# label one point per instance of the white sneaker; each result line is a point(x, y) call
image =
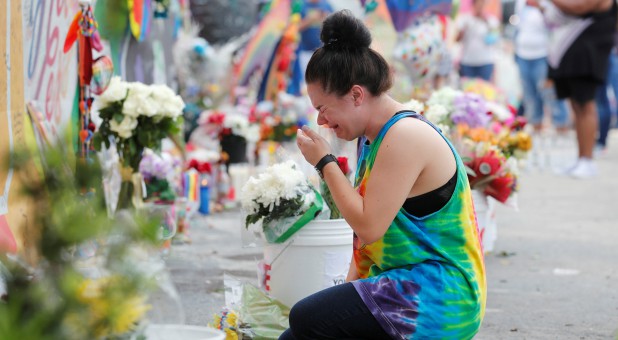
point(585, 169)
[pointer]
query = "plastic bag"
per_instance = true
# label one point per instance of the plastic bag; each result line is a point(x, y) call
point(278, 231)
point(262, 317)
point(249, 312)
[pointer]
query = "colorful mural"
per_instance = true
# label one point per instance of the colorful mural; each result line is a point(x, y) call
point(50, 74)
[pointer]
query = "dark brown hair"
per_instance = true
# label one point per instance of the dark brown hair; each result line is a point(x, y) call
point(345, 59)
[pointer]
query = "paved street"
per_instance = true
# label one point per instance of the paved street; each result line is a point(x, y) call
point(553, 273)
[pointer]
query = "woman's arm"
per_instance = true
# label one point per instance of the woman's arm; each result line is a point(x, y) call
point(580, 7)
point(396, 169)
point(352, 273)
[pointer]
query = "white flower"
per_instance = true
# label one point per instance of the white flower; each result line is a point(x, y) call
point(252, 133)
point(125, 128)
point(444, 97)
point(170, 104)
point(162, 91)
point(202, 155)
point(436, 113)
point(280, 181)
point(499, 111)
point(137, 102)
point(290, 117)
point(148, 108)
point(415, 106)
point(270, 121)
point(116, 91)
point(237, 123)
point(173, 107)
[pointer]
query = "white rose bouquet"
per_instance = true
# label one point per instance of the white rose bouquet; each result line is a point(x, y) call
point(136, 116)
point(282, 199)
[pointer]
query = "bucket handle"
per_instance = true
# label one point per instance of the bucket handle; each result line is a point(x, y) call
point(281, 252)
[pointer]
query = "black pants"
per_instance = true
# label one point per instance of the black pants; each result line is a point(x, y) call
point(334, 313)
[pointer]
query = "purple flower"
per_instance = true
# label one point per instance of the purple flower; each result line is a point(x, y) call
point(155, 166)
point(470, 109)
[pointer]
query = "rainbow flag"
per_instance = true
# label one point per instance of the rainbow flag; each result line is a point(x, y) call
point(191, 185)
point(139, 18)
point(262, 44)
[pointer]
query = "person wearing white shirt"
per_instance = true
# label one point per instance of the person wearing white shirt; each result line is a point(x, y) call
point(531, 43)
point(478, 34)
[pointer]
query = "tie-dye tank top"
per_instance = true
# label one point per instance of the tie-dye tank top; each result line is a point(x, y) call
point(425, 278)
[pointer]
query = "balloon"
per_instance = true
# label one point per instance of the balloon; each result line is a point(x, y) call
point(102, 72)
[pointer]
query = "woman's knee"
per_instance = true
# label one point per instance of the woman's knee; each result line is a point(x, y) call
point(300, 317)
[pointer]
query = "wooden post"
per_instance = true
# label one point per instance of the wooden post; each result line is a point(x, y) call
point(13, 210)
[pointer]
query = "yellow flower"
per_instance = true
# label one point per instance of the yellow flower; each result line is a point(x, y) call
point(129, 313)
point(524, 141)
point(231, 319)
point(230, 334)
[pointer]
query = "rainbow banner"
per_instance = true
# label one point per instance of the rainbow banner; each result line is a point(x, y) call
point(191, 185)
point(139, 18)
point(262, 44)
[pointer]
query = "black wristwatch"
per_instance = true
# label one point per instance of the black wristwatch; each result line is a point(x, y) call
point(325, 160)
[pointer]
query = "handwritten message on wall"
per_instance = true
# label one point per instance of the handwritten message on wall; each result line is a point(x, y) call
point(50, 74)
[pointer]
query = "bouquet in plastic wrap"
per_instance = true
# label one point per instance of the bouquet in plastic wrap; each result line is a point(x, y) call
point(328, 196)
point(491, 172)
point(282, 199)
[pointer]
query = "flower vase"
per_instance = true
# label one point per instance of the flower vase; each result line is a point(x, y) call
point(130, 196)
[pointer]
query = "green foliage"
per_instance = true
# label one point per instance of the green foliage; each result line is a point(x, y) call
point(148, 134)
point(159, 189)
point(286, 208)
point(48, 297)
point(330, 202)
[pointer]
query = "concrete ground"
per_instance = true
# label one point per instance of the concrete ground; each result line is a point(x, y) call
point(553, 273)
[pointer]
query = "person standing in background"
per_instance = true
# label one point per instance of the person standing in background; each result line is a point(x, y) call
point(478, 34)
point(531, 42)
point(581, 40)
point(606, 111)
point(313, 13)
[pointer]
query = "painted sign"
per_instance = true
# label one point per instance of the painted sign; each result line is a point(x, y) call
point(50, 74)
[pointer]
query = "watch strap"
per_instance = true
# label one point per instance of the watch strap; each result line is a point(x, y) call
point(322, 163)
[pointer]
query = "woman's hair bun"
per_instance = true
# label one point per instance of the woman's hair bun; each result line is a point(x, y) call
point(341, 30)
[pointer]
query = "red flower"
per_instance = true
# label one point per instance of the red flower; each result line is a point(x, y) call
point(201, 167)
point(500, 188)
point(216, 118)
point(343, 165)
point(487, 165)
point(226, 131)
point(519, 123)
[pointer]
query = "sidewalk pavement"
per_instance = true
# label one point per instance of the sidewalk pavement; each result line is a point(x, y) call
point(553, 273)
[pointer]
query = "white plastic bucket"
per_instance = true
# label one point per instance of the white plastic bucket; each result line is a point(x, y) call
point(485, 208)
point(184, 332)
point(318, 256)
